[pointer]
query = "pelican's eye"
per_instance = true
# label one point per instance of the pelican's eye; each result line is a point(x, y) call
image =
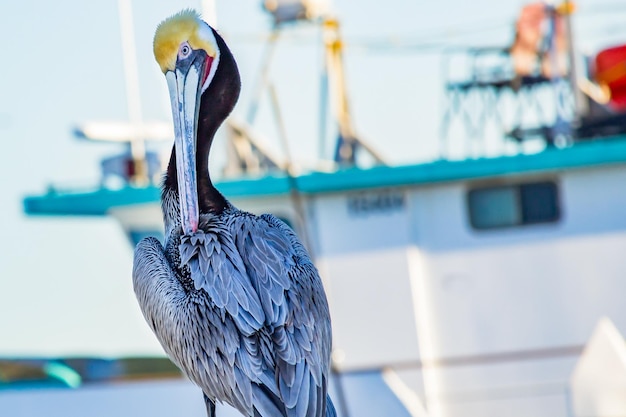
point(184, 50)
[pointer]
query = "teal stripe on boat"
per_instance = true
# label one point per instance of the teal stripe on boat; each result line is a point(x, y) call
point(582, 155)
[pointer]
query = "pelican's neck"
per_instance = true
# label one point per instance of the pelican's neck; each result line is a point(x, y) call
point(209, 199)
point(216, 103)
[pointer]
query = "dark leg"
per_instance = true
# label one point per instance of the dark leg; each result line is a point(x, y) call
point(210, 406)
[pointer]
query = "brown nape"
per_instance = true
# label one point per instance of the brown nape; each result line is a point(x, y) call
point(216, 103)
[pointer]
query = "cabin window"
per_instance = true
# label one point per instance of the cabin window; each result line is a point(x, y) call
point(513, 205)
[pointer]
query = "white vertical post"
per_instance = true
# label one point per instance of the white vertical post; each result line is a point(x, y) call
point(209, 12)
point(427, 337)
point(133, 97)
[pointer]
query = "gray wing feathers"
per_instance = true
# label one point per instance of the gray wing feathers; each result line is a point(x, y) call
point(308, 304)
point(151, 282)
point(178, 323)
point(330, 408)
point(272, 357)
point(217, 268)
point(294, 303)
point(267, 261)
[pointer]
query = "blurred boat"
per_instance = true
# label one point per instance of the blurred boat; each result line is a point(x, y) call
point(462, 286)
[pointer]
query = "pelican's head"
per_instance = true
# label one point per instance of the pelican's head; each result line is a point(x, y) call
point(184, 40)
point(187, 51)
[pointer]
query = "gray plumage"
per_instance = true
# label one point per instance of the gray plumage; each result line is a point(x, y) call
point(233, 298)
point(240, 308)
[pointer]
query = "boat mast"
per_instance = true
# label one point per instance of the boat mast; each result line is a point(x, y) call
point(133, 96)
point(580, 104)
point(137, 165)
point(209, 12)
point(348, 141)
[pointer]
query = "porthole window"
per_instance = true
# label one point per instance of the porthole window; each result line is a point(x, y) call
point(513, 205)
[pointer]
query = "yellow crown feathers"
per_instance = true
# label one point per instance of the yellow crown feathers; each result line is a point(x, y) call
point(185, 25)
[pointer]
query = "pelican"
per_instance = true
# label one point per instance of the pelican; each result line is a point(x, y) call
point(232, 297)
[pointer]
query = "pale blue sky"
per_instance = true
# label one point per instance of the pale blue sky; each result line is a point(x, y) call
point(65, 285)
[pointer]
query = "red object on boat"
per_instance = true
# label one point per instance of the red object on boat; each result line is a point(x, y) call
point(610, 72)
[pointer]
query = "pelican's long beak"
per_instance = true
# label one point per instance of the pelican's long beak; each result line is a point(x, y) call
point(184, 84)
